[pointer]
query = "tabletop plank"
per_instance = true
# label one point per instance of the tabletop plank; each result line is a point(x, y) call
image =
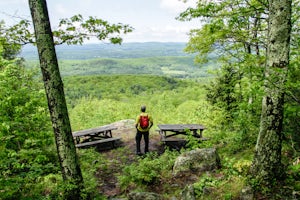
point(180, 127)
point(93, 130)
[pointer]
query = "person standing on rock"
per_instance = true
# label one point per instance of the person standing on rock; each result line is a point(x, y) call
point(143, 123)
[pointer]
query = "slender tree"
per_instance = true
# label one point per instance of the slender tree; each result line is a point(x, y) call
point(56, 100)
point(251, 33)
point(267, 165)
point(45, 39)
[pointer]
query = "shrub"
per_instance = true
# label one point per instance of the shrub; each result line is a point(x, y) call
point(147, 170)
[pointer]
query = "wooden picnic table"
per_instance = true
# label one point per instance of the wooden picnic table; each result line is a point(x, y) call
point(94, 136)
point(167, 131)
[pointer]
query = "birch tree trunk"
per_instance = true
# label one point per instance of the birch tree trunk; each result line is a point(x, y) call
point(266, 166)
point(56, 100)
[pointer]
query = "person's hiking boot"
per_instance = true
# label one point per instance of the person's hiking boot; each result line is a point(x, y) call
point(139, 153)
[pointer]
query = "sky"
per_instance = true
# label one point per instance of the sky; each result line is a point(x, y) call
point(152, 20)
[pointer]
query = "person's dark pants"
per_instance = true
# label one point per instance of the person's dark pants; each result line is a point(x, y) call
point(138, 139)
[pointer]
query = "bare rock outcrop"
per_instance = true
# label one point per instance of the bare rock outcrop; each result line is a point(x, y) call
point(197, 160)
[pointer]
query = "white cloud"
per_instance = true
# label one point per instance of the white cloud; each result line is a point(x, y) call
point(176, 6)
point(177, 29)
point(168, 33)
point(60, 9)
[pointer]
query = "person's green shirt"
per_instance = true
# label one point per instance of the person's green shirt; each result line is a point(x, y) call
point(137, 122)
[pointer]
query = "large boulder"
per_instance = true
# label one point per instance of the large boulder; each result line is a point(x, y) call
point(188, 193)
point(247, 193)
point(197, 160)
point(143, 196)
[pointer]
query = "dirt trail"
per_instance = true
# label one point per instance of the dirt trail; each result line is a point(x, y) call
point(126, 130)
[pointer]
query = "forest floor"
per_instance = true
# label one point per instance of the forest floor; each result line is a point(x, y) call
point(108, 182)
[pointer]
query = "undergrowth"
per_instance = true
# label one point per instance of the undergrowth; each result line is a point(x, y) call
point(147, 171)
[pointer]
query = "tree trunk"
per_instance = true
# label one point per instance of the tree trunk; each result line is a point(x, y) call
point(266, 166)
point(56, 100)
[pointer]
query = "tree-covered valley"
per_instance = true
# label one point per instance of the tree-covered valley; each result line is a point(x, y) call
point(238, 76)
point(153, 58)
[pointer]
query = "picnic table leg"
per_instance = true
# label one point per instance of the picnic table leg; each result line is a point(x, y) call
point(162, 135)
point(201, 130)
point(196, 134)
point(113, 144)
point(108, 134)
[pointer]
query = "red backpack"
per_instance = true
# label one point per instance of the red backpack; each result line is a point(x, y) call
point(144, 121)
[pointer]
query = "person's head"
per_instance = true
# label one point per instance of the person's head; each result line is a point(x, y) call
point(143, 108)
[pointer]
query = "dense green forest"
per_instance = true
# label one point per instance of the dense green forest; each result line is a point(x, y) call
point(107, 50)
point(162, 95)
point(249, 106)
point(166, 59)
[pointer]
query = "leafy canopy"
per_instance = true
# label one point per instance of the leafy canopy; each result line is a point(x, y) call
point(74, 30)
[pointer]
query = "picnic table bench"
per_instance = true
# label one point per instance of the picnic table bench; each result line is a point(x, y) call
point(168, 131)
point(94, 136)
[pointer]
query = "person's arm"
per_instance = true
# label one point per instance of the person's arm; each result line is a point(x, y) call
point(137, 121)
point(151, 122)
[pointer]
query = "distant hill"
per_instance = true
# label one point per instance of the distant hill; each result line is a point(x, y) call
point(120, 86)
point(105, 50)
point(152, 58)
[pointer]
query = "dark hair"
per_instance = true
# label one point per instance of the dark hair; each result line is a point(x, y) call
point(143, 108)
